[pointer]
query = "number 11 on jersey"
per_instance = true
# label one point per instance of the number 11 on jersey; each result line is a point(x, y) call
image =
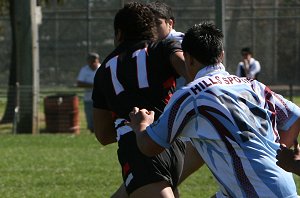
point(141, 70)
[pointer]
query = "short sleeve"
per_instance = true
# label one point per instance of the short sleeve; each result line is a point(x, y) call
point(171, 46)
point(170, 124)
point(99, 100)
point(80, 76)
point(287, 112)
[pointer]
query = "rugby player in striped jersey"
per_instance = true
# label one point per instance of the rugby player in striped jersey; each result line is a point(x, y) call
point(236, 124)
point(139, 72)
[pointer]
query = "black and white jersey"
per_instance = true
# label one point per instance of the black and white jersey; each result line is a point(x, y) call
point(136, 74)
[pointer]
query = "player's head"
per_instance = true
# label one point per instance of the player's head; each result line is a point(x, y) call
point(204, 42)
point(164, 16)
point(135, 21)
point(93, 60)
point(246, 52)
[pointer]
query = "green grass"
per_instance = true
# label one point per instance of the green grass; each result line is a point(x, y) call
point(57, 166)
point(70, 166)
point(65, 165)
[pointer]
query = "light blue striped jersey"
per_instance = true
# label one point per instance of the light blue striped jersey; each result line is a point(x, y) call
point(233, 122)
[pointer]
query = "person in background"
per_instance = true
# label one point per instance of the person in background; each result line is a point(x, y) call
point(248, 67)
point(165, 27)
point(236, 124)
point(139, 71)
point(289, 159)
point(85, 79)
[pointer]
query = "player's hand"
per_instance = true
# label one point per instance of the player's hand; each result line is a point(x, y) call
point(287, 158)
point(140, 119)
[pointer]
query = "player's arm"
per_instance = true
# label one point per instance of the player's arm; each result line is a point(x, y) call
point(140, 119)
point(104, 126)
point(177, 61)
point(289, 159)
point(288, 137)
point(84, 84)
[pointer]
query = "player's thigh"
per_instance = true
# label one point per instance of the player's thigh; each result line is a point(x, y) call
point(192, 161)
point(158, 190)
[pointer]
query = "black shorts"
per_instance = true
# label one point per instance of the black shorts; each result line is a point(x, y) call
point(139, 170)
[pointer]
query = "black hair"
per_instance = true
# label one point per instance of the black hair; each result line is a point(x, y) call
point(136, 22)
point(246, 50)
point(92, 56)
point(162, 10)
point(204, 42)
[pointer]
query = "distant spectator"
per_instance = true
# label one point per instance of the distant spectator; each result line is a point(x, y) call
point(85, 80)
point(248, 67)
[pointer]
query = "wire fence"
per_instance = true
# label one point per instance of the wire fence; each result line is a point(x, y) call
point(72, 29)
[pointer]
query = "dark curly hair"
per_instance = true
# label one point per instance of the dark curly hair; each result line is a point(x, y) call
point(162, 10)
point(136, 22)
point(204, 42)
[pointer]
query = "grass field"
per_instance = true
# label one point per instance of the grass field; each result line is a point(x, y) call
point(67, 165)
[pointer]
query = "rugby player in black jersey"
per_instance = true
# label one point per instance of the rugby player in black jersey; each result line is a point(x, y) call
point(139, 72)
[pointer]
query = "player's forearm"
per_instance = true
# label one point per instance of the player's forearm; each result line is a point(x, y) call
point(177, 61)
point(104, 127)
point(288, 137)
point(146, 145)
point(296, 168)
point(84, 84)
point(105, 140)
point(104, 134)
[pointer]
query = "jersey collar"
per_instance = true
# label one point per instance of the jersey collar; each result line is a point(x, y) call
point(209, 70)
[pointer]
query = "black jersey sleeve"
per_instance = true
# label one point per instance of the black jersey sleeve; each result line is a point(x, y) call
point(99, 100)
point(171, 46)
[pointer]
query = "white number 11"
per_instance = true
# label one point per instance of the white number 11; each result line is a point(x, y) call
point(141, 70)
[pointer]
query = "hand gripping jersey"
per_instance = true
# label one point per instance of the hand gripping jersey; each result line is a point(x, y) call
point(233, 122)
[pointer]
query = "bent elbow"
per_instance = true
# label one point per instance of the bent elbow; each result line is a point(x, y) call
point(149, 147)
point(104, 140)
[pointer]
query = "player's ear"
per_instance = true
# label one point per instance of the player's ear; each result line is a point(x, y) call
point(221, 58)
point(189, 60)
point(118, 37)
point(171, 23)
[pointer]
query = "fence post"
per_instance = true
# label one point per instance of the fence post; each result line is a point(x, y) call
point(220, 21)
point(291, 91)
point(16, 110)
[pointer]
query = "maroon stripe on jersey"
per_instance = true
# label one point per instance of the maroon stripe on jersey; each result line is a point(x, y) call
point(237, 164)
point(169, 85)
point(185, 120)
point(174, 111)
point(126, 168)
point(268, 96)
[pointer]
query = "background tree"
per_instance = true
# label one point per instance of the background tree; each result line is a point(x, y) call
point(11, 92)
point(14, 71)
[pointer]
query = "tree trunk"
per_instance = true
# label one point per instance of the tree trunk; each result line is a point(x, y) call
point(11, 90)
